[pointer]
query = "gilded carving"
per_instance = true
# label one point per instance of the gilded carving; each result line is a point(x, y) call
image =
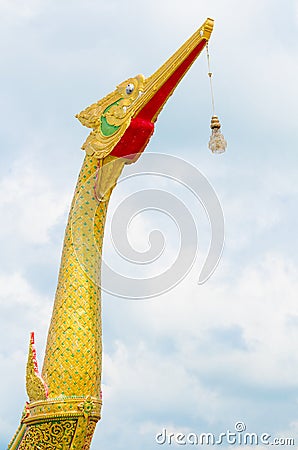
point(87, 406)
point(89, 434)
point(49, 436)
point(35, 385)
point(62, 408)
point(111, 116)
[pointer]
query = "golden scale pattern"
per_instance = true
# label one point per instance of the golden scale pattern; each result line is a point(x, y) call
point(72, 365)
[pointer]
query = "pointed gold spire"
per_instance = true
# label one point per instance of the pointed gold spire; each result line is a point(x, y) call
point(35, 385)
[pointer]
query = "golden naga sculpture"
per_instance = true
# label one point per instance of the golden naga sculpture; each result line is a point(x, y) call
point(65, 400)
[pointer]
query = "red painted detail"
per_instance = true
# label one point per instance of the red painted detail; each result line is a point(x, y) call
point(141, 128)
point(35, 365)
point(34, 357)
point(135, 138)
point(161, 96)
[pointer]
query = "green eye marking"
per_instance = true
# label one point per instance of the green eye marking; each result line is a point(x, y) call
point(105, 127)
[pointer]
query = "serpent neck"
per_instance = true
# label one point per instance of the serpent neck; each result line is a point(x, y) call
point(73, 358)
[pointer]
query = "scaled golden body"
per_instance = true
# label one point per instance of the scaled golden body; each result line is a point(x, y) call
point(65, 402)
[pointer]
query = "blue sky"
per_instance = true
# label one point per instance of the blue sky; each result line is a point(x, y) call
point(198, 358)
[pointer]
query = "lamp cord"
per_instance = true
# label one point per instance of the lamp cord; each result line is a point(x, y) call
point(210, 79)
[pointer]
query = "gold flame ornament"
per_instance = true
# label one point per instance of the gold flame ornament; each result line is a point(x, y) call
point(217, 142)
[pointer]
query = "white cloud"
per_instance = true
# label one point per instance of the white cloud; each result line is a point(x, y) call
point(27, 308)
point(29, 203)
point(17, 8)
point(16, 290)
point(261, 303)
point(224, 336)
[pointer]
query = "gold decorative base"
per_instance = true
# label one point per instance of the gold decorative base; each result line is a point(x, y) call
point(58, 424)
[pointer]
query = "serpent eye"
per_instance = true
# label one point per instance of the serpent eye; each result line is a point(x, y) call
point(129, 88)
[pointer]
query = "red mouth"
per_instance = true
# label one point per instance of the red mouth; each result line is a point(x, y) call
point(141, 128)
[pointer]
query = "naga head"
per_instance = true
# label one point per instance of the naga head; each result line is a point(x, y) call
point(123, 121)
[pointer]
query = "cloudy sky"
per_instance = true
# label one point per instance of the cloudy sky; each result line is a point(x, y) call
point(199, 358)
